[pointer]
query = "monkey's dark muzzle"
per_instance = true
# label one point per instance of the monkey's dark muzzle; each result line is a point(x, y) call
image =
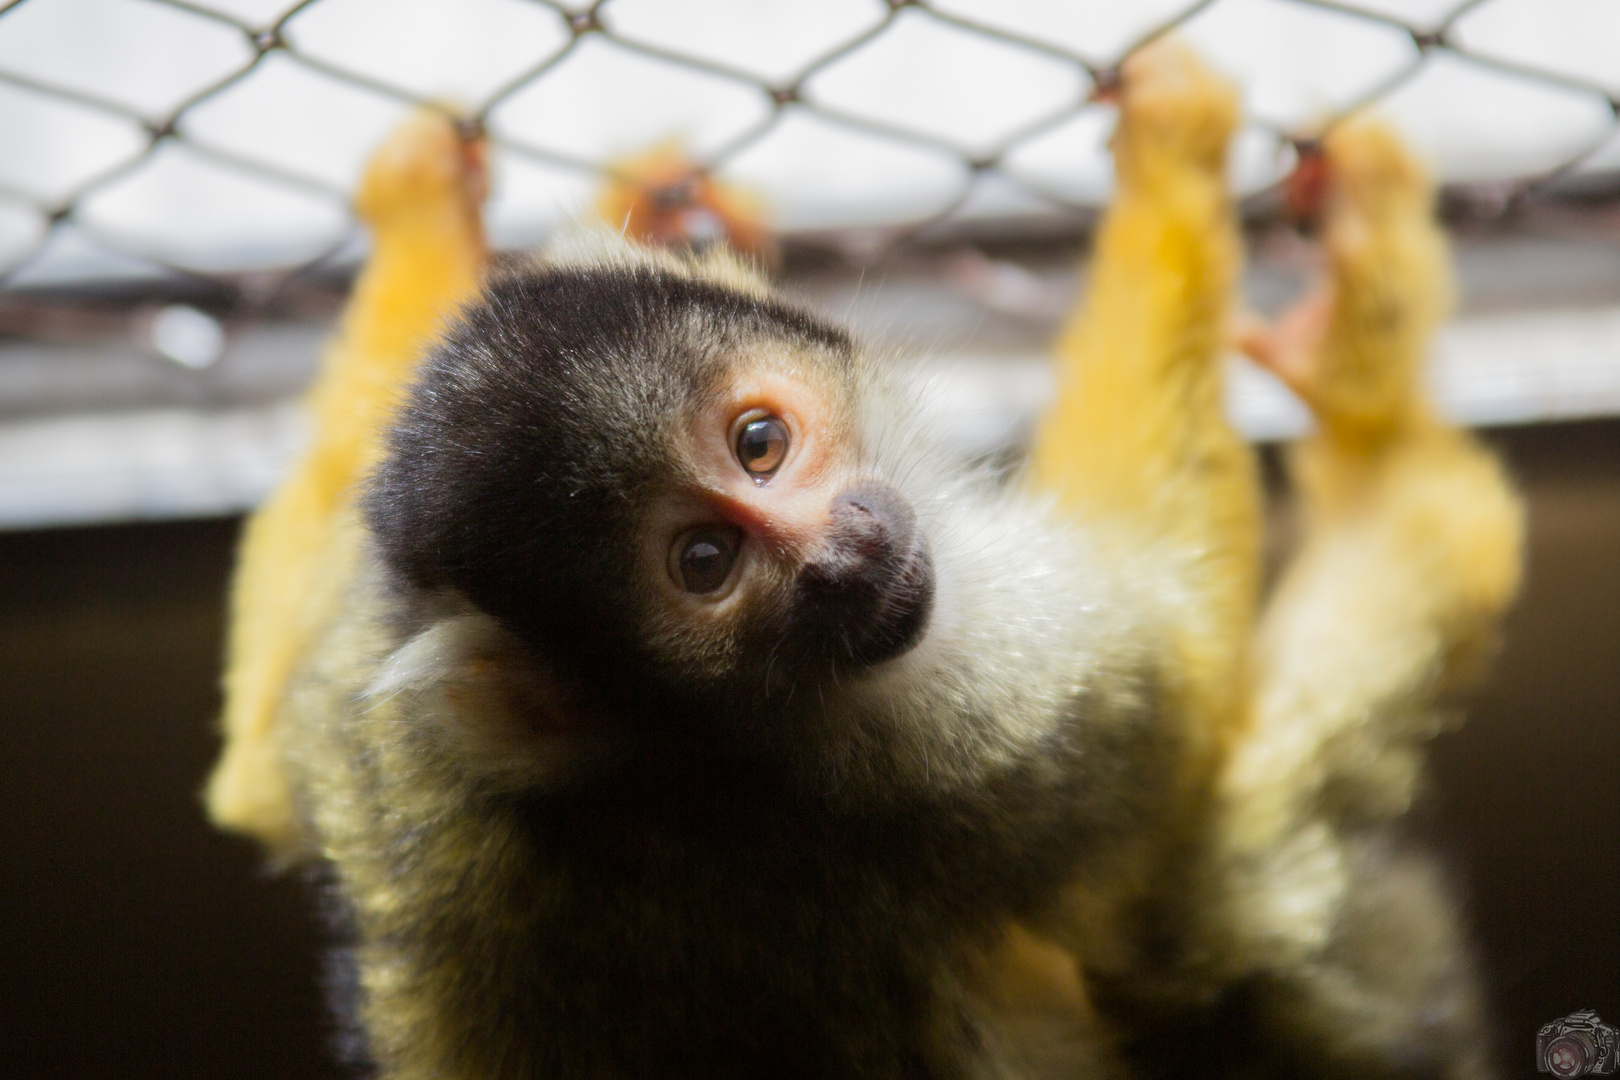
point(868, 597)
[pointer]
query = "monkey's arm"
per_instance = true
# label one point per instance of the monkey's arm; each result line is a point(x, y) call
point(420, 196)
point(1412, 534)
point(1411, 550)
point(1139, 437)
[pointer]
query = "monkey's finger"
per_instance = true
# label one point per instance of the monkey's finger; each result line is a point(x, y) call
point(1250, 334)
point(432, 161)
point(1171, 100)
point(1306, 186)
point(1290, 348)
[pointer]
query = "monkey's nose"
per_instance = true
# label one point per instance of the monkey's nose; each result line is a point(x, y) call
point(868, 596)
point(873, 522)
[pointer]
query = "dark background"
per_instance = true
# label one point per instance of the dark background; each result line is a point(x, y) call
point(136, 942)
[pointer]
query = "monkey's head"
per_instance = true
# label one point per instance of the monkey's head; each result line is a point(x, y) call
point(666, 485)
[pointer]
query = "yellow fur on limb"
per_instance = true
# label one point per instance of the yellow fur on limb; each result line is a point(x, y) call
point(420, 196)
point(1139, 433)
point(1138, 445)
point(1412, 548)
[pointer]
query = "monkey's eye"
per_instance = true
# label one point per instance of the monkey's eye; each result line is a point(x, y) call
point(761, 446)
point(702, 558)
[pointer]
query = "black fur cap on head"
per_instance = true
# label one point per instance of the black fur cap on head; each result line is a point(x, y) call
point(514, 471)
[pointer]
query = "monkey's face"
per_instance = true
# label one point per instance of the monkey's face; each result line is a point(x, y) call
point(776, 555)
point(661, 484)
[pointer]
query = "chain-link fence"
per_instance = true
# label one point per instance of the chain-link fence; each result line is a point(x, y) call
point(175, 182)
point(217, 136)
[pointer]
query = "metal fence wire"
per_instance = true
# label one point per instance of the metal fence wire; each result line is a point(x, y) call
point(971, 153)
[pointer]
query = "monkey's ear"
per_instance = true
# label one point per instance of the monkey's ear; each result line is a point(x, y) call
point(488, 700)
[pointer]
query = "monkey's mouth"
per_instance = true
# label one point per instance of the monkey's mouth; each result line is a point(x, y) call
point(875, 606)
point(901, 615)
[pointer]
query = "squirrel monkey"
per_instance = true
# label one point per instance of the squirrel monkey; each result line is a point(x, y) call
point(667, 703)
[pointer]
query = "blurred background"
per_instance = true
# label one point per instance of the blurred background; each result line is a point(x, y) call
point(176, 241)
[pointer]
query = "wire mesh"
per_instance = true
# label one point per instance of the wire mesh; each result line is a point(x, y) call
point(982, 110)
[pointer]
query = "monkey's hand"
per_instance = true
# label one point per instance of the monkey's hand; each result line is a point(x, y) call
point(1411, 550)
point(420, 196)
point(1138, 440)
point(665, 199)
point(1177, 116)
point(1354, 351)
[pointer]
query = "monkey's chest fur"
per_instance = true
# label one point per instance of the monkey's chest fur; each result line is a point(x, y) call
point(727, 936)
point(679, 915)
point(764, 938)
